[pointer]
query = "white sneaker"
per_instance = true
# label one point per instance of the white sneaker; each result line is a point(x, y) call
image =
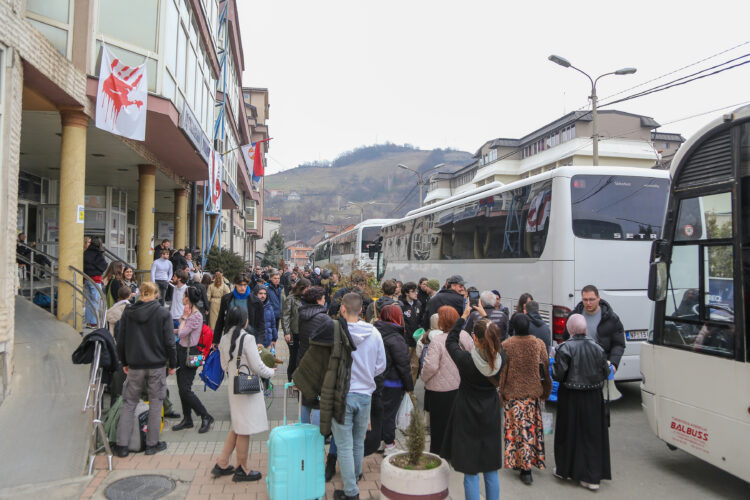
point(590, 486)
point(390, 449)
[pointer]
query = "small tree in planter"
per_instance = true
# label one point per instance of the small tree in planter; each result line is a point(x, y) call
point(414, 473)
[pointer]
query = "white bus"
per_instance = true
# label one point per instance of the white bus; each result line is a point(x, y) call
point(350, 249)
point(696, 364)
point(549, 235)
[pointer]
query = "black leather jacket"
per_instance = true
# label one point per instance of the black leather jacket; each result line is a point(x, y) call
point(580, 364)
point(610, 334)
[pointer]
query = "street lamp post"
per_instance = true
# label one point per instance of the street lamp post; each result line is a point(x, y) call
point(361, 210)
point(420, 178)
point(594, 123)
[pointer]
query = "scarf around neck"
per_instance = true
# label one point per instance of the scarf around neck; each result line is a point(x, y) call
point(241, 296)
point(482, 365)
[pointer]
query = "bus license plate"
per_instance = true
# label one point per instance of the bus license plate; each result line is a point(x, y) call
point(636, 335)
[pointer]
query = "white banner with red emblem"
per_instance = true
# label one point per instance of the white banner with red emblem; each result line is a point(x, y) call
point(121, 97)
point(215, 164)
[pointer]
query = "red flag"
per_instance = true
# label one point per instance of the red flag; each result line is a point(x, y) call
point(257, 161)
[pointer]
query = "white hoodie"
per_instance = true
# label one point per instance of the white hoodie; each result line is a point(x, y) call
point(368, 361)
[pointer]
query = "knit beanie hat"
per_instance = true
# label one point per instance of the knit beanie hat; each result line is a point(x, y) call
point(433, 284)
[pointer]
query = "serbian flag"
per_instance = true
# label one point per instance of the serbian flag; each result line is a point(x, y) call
point(253, 154)
point(121, 97)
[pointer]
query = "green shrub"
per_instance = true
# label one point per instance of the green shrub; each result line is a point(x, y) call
point(226, 260)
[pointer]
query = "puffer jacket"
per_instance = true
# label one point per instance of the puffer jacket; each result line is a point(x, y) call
point(610, 334)
point(272, 334)
point(396, 354)
point(580, 364)
point(290, 315)
point(312, 320)
point(274, 297)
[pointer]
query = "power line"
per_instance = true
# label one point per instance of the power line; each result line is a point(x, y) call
point(402, 203)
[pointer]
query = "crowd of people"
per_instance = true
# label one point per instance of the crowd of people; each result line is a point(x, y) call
point(486, 370)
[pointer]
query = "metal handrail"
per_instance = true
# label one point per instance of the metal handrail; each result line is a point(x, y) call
point(32, 267)
point(114, 257)
point(93, 402)
point(100, 306)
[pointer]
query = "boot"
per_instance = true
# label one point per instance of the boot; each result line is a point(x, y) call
point(330, 467)
point(205, 424)
point(184, 424)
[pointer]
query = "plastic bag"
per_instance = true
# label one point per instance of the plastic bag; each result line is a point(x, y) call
point(403, 416)
point(548, 422)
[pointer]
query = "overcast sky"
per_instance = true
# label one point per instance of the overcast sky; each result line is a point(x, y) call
point(343, 74)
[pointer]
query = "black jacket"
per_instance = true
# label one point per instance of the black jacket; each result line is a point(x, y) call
point(610, 334)
point(495, 315)
point(423, 297)
point(255, 316)
point(445, 297)
point(179, 262)
point(314, 322)
point(146, 338)
point(473, 436)
point(84, 353)
point(412, 319)
point(93, 262)
point(580, 364)
point(396, 354)
point(203, 304)
point(539, 329)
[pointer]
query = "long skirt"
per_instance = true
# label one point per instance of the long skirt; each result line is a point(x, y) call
point(524, 434)
point(581, 436)
point(441, 404)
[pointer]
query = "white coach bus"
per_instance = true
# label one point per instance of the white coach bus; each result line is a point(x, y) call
point(696, 364)
point(549, 235)
point(350, 249)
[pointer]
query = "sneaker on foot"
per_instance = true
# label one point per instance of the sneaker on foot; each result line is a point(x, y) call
point(390, 449)
point(152, 450)
point(558, 476)
point(590, 486)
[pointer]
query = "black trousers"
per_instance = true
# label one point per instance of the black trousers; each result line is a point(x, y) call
point(293, 349)
point(391, 400)
point(163, 287)
point(185, 377)
point(373, 436)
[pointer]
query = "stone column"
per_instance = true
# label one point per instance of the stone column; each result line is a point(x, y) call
point(146, 203)
point(180, 218)
point(199, 227)
point(72, 198)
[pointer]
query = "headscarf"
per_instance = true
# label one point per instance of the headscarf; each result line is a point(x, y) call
point(576, 324)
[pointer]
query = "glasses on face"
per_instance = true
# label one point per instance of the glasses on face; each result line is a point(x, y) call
point(591, 300)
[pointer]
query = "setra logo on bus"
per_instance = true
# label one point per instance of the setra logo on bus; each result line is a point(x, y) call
point(688, 430)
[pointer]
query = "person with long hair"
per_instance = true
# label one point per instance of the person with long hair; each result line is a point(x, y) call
point(247, 411)
point(94, 266)
point(472, 440)
point(189, 333)
point(440, 376)
point(581, 434)
point(215, 292)
point(113, 279)
point(397, 374)
point(520, 309)
point(290, 322)
point(523, 387)
point(128, 279)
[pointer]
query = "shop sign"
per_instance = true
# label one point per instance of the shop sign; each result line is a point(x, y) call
point(192, 128)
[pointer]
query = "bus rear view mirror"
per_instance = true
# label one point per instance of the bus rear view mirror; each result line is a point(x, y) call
point(658, 249)
point(657, 281)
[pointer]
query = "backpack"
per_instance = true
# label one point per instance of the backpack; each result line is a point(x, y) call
point(205, 341)
point(212, 374)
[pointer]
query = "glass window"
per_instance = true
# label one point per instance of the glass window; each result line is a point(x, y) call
point(58, 37)
point(181, 54)
point(169, 86)
point(55, 9)
point(612, 207)
point(713, 212)
point(171, 25)
point(134, 21)
point(369, 235)
point(130, 58)
point(190, 90)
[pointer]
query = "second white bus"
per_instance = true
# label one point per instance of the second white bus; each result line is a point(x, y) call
point(549, 235)
point(350, 249)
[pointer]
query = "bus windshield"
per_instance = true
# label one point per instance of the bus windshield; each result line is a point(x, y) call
point(618, 207)
point(369, 235)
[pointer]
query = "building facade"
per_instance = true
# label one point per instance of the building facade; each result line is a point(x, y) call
point(625, 139)
point(64, 179)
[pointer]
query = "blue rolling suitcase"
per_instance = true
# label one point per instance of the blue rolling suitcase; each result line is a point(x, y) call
point(296, 460)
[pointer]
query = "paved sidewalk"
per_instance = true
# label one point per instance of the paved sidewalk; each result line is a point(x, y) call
point(190, 456)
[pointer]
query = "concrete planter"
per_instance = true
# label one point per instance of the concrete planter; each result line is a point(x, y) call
point(403, 484)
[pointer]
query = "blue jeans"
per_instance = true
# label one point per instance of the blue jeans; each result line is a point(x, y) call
point(350, 439)
point(491, 486)
point(310, 416)
point(93, 295)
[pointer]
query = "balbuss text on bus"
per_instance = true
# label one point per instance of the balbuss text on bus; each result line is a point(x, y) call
point(689, 434)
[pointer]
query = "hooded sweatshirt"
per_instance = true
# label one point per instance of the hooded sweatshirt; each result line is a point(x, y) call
point(146, 337)
point(368, 360)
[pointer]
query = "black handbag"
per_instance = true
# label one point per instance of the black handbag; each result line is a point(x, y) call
point(245, 383)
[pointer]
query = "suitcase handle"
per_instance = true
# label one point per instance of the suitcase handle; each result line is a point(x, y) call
point(287, 386)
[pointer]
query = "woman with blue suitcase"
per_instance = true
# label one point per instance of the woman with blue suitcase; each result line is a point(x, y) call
point(247, 411)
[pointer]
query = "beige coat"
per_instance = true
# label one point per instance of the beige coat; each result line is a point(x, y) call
point(214, 299)
point(247, 411)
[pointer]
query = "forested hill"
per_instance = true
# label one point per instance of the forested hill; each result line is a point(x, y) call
point(315, 193)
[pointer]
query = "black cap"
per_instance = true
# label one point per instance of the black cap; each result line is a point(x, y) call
point(456, 279)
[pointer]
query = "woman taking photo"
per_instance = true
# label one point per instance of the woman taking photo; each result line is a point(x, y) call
point(523, 386)
point(189, 332)
point(440, 375)
point(247, 411)
point(290, 322)
point(397, 374)
point(581, 434)
point(215, 292)
point(472, 438)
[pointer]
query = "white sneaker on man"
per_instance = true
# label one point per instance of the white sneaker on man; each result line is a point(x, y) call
point(390, 449)
point(590, 486)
